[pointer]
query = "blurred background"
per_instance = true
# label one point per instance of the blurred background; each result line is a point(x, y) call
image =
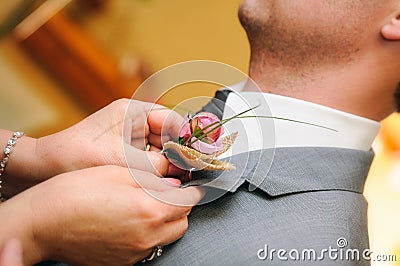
point(61, 60)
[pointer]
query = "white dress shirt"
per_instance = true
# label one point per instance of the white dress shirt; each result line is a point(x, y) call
point(346, 130)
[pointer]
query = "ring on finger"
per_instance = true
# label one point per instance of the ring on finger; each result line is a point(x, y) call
point(157, 252)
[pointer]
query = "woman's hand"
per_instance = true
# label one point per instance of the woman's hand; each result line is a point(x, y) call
point(99, 216)
point(115, 135)
point(122, 128)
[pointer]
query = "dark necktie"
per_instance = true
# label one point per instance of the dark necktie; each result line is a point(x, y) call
point(217, 104)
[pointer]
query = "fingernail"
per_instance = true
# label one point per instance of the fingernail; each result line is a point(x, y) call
point(172, 182)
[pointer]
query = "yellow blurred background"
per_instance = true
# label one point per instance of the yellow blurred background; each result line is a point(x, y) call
point(61, 60)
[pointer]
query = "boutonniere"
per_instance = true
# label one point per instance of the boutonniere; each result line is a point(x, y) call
point(201, 140)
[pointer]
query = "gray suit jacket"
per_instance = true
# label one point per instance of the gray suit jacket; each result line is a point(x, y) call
point(310, 199)
point(308, 204)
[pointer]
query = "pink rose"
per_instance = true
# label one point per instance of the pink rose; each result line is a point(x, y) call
point(204, 119)
point(206, 148)
point(209, 143)
point(185, 131)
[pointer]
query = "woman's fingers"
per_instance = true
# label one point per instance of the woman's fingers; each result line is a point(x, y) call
point(185, 198)
point(157, 140)
point(150, 161)
point(11, 254)
point(173, 230)
point(160, 119)
point(169, 233)
point(151, 182)
point(154, 149)
point(163, 121)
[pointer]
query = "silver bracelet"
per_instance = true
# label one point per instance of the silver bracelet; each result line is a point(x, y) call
point(7, 152)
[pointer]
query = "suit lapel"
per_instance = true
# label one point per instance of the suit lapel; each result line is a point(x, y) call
point(313, 169)
point(292, 170)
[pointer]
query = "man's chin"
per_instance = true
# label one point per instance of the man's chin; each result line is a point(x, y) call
point(248, 3)
point(251, 12)
point(244, 14)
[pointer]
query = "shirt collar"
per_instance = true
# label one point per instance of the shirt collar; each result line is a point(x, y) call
point(350, 131)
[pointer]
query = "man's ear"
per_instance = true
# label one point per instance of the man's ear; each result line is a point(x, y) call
point(391, 30)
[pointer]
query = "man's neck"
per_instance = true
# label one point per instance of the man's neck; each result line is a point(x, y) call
point(349, 87)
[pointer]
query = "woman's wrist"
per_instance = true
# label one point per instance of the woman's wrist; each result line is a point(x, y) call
point(56, 154)
point(23, 164)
